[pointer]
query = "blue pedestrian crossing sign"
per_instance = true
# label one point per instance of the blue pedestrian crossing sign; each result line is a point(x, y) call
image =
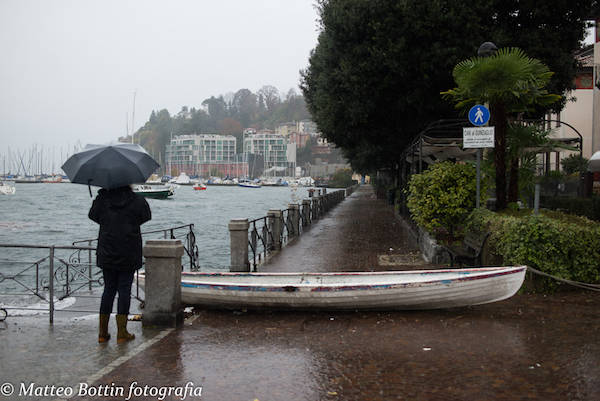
point(479, 115)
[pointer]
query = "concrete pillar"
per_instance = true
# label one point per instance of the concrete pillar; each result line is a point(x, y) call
point(315, 208)
point(162, 287)
point(294, 214)
point(238, 244)
point(275, 227)
point(306, 213)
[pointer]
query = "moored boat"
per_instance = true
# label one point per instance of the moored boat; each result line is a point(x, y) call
point(421, 289)
point(154, 191)
point(248, 184)
point(6, 189)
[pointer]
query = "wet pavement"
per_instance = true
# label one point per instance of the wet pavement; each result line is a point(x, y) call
point(359, 234)
point(529, 347)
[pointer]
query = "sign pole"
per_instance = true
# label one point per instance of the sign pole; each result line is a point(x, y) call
point(478, 178)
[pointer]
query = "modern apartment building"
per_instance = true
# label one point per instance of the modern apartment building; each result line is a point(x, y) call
point(204, 155)
point(272, 147)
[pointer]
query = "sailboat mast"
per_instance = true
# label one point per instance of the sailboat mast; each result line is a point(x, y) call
point(133, 117)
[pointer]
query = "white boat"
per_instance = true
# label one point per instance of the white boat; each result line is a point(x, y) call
point(183, 179)
point(6, 189)
point(248, 184)
point(420, 289)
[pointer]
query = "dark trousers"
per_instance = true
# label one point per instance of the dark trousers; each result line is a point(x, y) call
point(116, 281)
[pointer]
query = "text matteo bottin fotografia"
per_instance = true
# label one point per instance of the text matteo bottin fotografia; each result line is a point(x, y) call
point(133, 391)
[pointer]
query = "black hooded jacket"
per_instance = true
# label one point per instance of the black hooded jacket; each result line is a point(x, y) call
point(120, 212)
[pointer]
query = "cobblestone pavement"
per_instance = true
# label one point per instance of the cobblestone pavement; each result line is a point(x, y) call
point(529, 347)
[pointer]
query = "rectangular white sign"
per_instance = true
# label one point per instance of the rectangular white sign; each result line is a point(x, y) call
point(478, 137)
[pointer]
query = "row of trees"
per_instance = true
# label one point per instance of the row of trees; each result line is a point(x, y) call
point(225, 114)
point(374, 80)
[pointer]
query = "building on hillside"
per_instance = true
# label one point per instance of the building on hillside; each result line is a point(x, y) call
point(285, 129)
point(299, 138)
point(204, 155)
point(306, 126)
point(274, 150)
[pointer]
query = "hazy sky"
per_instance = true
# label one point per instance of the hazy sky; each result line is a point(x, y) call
point(69, 69)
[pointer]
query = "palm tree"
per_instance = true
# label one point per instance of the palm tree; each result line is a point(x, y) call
point(510, 82)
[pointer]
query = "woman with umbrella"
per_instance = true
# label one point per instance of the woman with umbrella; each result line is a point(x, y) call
point(119, 212)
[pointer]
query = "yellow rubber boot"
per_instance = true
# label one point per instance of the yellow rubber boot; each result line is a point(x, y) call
point(122, 334)
point(103, 335)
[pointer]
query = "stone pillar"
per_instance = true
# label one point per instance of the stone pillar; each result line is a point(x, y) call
point(275, 227)
point(294, 213)
point(238, 244)
point(306, 212)
point(315, 208)
point(162, 287)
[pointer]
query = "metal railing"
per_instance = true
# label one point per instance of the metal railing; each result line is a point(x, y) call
point(262, 233)
point(58, 272)
point(184, 233)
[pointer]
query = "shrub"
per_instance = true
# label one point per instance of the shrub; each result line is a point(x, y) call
point(574, 164)
point(560, 245)
point(441, 197)
point(342, 178)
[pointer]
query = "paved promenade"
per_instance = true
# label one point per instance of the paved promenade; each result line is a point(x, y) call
point(530, 347)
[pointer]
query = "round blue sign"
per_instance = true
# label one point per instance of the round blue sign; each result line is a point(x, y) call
point(479, 115)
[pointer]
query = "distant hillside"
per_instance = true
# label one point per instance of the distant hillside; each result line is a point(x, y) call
point(226, 114)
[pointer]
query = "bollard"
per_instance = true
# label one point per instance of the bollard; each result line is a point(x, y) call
point(306, 212)
point(162, 287)
point(274, 222)
point(294, 215)
point(238, 245)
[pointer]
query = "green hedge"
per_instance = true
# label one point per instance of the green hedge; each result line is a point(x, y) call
point(567, 247)
point(588, 207)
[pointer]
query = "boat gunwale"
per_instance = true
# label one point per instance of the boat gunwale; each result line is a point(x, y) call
point(493, 272)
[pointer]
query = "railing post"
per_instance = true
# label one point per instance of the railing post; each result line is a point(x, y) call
point(306, 212)
point(294, 211)
point(90, 266)
point(274, 222)
point(163, 283)
point(238, 244)
point(51, 284)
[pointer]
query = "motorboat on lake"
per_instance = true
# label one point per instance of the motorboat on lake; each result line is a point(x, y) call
point(199, 187)
point(248, 184)
point(154, 191)
point(418, 289)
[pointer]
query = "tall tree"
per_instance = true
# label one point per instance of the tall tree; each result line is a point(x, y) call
point(375, 76)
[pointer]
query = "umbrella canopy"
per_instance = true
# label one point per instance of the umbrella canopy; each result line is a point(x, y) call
point(110, 166)
point(594, 164)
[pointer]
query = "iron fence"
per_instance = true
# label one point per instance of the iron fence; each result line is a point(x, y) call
point(51, 273)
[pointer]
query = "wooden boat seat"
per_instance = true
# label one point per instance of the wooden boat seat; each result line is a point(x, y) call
point(469, 253)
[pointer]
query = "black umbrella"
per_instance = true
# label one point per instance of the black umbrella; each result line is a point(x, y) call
point(110, 166)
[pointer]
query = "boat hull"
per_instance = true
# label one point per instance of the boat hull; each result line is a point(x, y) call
point(427, 289)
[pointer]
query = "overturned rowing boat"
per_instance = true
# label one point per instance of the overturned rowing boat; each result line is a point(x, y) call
point(419, 289)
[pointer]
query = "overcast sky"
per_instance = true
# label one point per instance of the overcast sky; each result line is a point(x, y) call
point(69, 68)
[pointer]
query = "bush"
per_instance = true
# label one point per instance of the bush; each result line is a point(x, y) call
point(574, 164)
point(441, 197)
point(342, 178)
point(560, 245)
point(588, 207)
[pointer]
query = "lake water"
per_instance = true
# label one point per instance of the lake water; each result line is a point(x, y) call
point(56, 214)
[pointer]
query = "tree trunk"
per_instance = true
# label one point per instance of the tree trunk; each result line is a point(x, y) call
point(498, 112)
point(513, 182)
